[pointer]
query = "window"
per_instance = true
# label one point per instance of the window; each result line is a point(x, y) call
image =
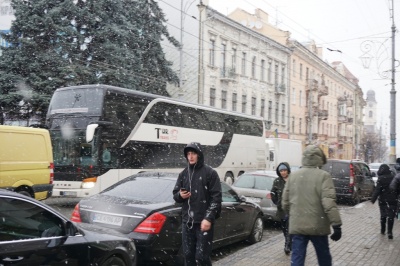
point(269, 110)
point(277, 112)
point(262, 70)
point(212, 97)
point(269, 70)
point(234, 60)
point(223, 59)
point(244, 64)
point(300, 98)
point(244, 101)
point(223, 99)
point(253, 68)
point(294, 68)
point(370, 114)
point(25, 220)
point(293, 124)
point(299, 125)
point(262, 112)
point(276, 79)
point(212, 53)
point(283, 114)
point(253, 105)
point(294, 96)
point(283, 70)
point(234, 101)
point(301, 71)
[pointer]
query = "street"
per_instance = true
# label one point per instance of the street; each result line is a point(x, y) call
point(66, 206)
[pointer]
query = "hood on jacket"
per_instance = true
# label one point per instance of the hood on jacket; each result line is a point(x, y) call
point(397, 165)
point(384, 169)
point(196, 147)
point(287, 166)
point(313, 156)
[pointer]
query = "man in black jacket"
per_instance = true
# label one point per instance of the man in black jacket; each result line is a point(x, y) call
point(199, 189)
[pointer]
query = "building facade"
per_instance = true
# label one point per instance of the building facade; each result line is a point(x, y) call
point(242, 70)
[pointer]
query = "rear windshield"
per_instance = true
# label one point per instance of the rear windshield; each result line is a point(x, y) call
point(150, 189)
point(87, 101)
point(255, 181)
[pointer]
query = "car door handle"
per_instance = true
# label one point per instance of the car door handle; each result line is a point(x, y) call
point(8, 259)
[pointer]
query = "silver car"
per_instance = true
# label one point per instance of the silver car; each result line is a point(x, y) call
point(374, 167)
point(256, 187)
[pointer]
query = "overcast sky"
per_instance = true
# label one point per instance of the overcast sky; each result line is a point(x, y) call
point(343, 25)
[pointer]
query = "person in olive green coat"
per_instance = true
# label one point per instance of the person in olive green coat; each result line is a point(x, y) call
point(310, 199)
point(283, 172)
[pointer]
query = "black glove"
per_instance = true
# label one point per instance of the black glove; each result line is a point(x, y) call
point(337, 233)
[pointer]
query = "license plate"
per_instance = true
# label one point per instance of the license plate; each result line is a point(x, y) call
point(107, 219)
point(256, 200)
point(68, 193)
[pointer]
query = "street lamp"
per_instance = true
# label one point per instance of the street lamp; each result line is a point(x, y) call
point(373, 47)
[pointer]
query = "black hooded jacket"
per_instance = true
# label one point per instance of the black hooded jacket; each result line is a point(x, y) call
point(204, 184)
point(277, 190)
point(382, 190)
point(395, 185)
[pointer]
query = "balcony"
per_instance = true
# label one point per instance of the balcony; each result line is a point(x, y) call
point(228, 74)
point(280, 89)
point(342, 118)
point(323, 91)
point(313, 85)
point(322, 114)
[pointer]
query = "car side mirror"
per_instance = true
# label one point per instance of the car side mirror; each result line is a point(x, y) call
point(243, 198)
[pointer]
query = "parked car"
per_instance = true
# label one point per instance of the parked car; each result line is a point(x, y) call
point(32, 233)
point(142, 207)
point(256, 187)
point(374, 167)
point(352, 179)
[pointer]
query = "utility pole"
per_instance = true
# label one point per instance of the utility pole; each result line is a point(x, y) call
point(392, 156)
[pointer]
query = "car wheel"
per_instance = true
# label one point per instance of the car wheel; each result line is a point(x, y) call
point(114, 261)
point(356, 198)
point(229, 178)
point(257, 232)
point(25, 193)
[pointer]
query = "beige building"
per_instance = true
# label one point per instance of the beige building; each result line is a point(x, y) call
point(242, 70)
point(325, 100)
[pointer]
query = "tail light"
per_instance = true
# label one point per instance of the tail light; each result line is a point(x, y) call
point(76, 216)
point(351, 181)
point(152, 224)
point(51, 173)
point(268, 195)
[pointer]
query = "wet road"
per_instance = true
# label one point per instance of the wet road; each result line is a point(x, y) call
point(66, 206)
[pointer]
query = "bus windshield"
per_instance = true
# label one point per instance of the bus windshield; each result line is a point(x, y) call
point(73, 151)
point(87, 101)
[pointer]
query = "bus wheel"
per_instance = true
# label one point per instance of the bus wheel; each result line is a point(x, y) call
point(229, 178)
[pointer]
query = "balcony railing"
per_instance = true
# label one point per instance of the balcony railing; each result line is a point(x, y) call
point(228, 74)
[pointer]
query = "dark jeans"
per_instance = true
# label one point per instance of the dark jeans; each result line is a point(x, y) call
point(299, 249)
point(285, 231)
point(389, 212)
point(197, 245)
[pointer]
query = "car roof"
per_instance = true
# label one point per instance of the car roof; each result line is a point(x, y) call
point(262, 172)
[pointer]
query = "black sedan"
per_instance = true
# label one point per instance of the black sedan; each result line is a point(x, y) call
point(142, 207)
point(31, 233)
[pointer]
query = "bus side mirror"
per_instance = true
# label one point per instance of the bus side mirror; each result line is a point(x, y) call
point(90, 129)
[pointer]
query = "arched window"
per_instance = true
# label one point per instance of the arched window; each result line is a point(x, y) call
point(371, 114)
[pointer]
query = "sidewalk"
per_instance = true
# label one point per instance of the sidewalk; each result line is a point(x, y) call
point(361, 244)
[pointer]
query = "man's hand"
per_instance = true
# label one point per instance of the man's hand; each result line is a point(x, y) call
point(205, 225)
point(337, 233)
point(185, 194)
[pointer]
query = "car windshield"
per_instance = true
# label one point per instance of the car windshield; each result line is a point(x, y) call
point(374, 165)
point(150, 189)
point(261, 182)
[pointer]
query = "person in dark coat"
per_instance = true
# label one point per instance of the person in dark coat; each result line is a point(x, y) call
point(283, 171)
point(395, 184)
point(387, 199)
point(199, 189)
